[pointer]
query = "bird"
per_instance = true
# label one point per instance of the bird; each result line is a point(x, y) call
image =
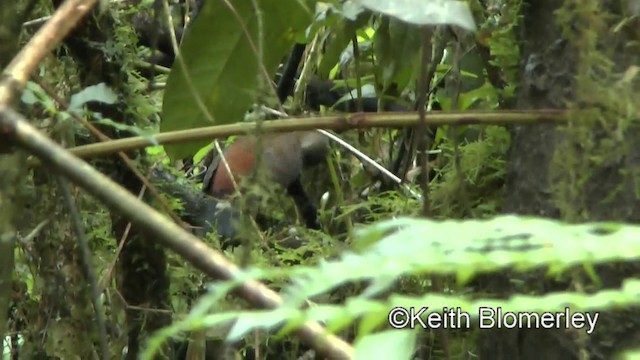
point(283, 158)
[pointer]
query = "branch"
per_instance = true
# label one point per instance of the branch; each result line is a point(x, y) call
point(102, 137)
point(16, 128)
point(337, 122)
point(46, 39)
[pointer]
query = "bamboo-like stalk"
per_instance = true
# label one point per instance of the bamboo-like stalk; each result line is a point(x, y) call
point(337, 123)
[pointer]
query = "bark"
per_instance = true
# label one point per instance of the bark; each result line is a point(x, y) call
point(548, 80)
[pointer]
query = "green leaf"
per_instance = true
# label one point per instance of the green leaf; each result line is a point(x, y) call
point(397, 47)
point(477, 245)
point(423, 12)
point(202, 153)
point(34, 94)
point(341, 38)
point(222, 65)
point(259, 319)
point(633, 354)
point(413, 246)
point(29, 96)
point(390, 344)
point(100, 93)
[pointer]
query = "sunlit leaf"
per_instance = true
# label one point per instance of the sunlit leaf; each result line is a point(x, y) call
point(390, 344)
point(99, 93)
point(425, 12)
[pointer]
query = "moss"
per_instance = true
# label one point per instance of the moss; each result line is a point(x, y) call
point(480, 178)
point(597, 138)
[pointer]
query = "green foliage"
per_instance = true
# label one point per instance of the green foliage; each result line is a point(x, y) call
point(397, 46)
point(343, 30)
point(404, 247)
point(34, 95)
point(425, 12)
point(477, 187)
point(504, 42)
point(213, 88)
point(388, 263)
point(392, 344)
point(631, 355)
point(604, 116)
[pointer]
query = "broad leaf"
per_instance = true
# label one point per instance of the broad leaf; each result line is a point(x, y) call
point(390, 344)
point(99, 93)
point(409, 247)
point(424, 12)
point(397, 47)
point(222, 64)
point(451, 246)
point(343, 33)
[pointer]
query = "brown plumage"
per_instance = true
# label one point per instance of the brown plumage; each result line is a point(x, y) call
point(284, 155)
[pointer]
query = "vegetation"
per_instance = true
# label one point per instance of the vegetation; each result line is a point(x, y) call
point(531, 213)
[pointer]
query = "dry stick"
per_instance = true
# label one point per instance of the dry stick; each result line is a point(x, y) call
point(356, 65)
point(336, 123)
point(166, 233)
point(366, 159)
point(452, 130)
point(45, 40)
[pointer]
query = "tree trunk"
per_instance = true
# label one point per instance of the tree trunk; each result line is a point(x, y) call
point(579, 173)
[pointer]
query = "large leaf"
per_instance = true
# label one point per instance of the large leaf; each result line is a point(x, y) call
point(424, 12)
point(99, 93)
point(397, 47)
point(222, 65)
point(390, 344)
point(392, 249)
point(467, 248)
point(342, 35)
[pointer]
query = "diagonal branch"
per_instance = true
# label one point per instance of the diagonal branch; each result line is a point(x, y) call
point(46, 39)
point(17, 129)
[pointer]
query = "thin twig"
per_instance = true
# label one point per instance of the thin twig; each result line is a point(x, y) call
point(356, 65)
point(370, 161)
point(453, 130)
point(36, 22)
point(123, 239)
